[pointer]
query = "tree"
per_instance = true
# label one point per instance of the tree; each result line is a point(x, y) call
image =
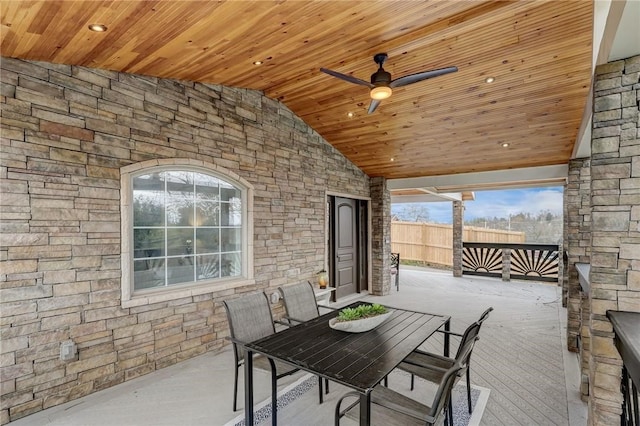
point(414, 212)
point(544, 228)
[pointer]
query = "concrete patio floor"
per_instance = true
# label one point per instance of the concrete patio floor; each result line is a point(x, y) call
point(520, 356)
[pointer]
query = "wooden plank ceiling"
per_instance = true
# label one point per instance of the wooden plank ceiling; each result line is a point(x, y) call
point(539, 53)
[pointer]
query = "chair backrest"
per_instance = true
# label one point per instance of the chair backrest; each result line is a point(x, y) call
point(469, 338)
point(249, 319)
point(395, 260)
point(472, 331)
point(485, 315)
point(443, 394)
point(300, 301)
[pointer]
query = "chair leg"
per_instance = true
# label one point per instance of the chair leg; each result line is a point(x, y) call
point(450, 412)
point(326, 386)
point(337, 416)
point(413, 380)
point(338, 410)
point(274, 397)
point(469, 391)
point(320, 391)
point(386, 381)
point(235, 390)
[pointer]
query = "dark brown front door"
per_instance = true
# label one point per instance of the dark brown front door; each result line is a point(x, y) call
point(345, 241)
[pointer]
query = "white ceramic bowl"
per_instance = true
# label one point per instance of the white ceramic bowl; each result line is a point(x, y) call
point(361, 325)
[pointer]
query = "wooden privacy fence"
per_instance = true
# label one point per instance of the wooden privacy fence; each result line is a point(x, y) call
point(432, 243)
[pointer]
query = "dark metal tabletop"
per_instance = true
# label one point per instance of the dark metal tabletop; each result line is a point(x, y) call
point(356, 360)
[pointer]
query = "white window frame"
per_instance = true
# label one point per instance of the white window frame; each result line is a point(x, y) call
point(131, 298)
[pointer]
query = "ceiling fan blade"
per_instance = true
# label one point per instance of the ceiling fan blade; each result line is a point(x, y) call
point(414, 78)
point(373, 105)
point(346, 77)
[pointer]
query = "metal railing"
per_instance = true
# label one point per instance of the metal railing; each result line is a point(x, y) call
point(630, 400)
point(539, 262)
point(626, 328)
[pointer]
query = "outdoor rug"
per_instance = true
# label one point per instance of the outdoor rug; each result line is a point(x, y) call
point(398, 381)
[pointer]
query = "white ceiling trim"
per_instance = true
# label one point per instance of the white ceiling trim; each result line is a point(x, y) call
point(626, 42)
point(426, 198)
point(513, 178)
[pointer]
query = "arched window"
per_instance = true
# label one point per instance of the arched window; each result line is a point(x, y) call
point(185, 227)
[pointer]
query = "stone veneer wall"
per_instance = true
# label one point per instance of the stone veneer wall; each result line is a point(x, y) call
point(615, 218)
point(380, 236)
point(458, 234)
point(66, 132)
point(577, 215)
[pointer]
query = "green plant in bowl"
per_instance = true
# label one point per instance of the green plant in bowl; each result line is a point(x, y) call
point(360, 312)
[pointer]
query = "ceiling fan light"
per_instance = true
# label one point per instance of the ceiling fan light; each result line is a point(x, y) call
point(380, 92)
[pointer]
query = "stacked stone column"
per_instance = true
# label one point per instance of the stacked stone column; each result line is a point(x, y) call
point(577, 203)
point(615, 236)
point(458, 214)
point(380, 236)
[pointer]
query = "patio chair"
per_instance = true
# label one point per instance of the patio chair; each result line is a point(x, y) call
point(250, 319)
point(432, 367)
point(395, 268)
point(391, 407)
point(301, 305)
point(300, 302)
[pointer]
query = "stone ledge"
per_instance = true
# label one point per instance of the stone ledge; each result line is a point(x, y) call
point(149, 299)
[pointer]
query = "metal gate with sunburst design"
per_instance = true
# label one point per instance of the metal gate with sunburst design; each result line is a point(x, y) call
point(535, 262)
point(539, 262)
point(481, 259)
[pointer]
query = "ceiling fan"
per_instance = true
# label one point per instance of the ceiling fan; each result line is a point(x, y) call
point(381, 84)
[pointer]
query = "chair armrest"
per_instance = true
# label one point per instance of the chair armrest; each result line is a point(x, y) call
point(449, 332)
point(340, 413)
point(289, 319)
point(432, 355)
point(299, 321)
point(287, 324)
point(235, 341)
point(424, 366)
point(331, 308)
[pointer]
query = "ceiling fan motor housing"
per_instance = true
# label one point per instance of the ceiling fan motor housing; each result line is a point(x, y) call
point(381, 78)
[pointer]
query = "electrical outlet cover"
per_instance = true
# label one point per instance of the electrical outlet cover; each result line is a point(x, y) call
point(67, 350)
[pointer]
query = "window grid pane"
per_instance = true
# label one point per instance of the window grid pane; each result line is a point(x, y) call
point(187, 227)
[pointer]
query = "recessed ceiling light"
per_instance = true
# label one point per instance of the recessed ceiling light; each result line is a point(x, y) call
point(393, 159)
point(350, 114)
point(489, 79)
point(257, 63)
point(505, 145)
point(98, 28)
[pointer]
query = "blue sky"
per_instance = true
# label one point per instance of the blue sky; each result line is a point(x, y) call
point(500, 204)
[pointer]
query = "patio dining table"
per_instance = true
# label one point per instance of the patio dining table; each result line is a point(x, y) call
point(356, 360)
